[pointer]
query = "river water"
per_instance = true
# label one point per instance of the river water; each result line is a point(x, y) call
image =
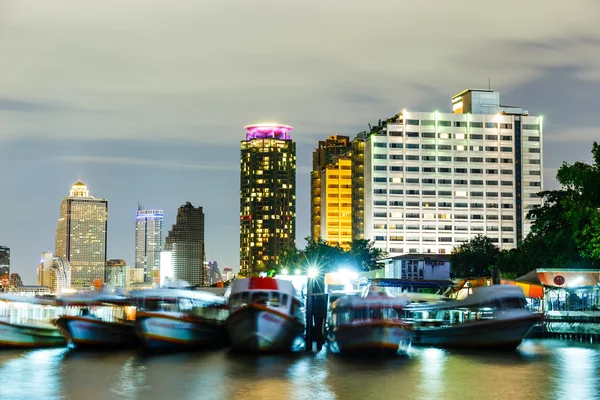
point(539, 369)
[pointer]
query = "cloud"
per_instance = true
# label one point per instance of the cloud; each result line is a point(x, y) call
point(143, 162)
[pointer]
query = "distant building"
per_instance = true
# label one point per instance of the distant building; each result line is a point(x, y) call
point(149, 240)
point(117, 274)
point(331, 191)
point(212, 273)
point(228, 274)
point(81, 236)
point(15, 280)
point(54, 273)
point(185, 241)
point(4, 266)
point(267, 196)
point(136, 276)
point(29, 290)
point(418, 266)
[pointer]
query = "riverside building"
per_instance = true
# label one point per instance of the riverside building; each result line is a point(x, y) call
point(149, 240)
point(267, 196)
point(331, 191)
point(81, 236)
point(434, 180)
point(54, 273)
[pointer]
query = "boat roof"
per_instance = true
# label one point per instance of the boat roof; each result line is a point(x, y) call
point(255, 283)
point(94, 299)
point(177, 293)
point(374, 298)
point(12, 298)
point(481, 296)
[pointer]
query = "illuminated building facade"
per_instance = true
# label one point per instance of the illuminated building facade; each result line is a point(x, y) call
point(267, 196)
point(117, 274)
point(331, 191)
point(435, 180)
point(81, 236)
point(185, 246)
point(149, 240)
point(358, 186)
point(15, 280)
point(4, 266)
point(54, 273)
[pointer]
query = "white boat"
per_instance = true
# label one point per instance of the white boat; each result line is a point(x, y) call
point(493, 317)
point(265, 314)
point(27, 322)
point(170, 318)
point(370, 324)
point(100, 321)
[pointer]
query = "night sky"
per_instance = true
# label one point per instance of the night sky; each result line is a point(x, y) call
point(145, 101)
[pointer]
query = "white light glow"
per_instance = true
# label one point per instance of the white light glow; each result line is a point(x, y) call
point(313, 272)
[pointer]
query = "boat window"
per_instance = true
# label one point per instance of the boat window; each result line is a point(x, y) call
point(275, 299)
point(297, 309)
point(342, 316)
point(284, 300)
point(234, 300)
point(260, 298)
point(185, 304)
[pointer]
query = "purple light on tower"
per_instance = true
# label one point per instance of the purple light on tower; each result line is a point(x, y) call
point(268, 131)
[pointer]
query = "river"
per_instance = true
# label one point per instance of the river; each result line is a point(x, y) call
point(539, 369)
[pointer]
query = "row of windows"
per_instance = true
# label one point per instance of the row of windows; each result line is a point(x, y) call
point(447, 170)
point(475, 182)
point(442, 239)
point(441, 204)
point(492, 217)
point(493, 228)
point(446, 135)
point(445, 147)
point(460, 124)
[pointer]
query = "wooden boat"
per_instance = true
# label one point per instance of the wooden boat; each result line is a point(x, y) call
point(265, 314)
point(27, 322)
point(493, 317)
point(100, 321)
point(171, 318)
point(370, 324)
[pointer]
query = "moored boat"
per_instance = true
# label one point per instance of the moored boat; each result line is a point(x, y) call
point(172, 318)
point(265, 314)
point(27, 322)
point(371, 324)
point(493, 317)
point(98, 322)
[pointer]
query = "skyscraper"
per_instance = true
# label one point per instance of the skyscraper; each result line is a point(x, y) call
point(4, 266)
point(435, 180)
point(81, 236)
point(331, 191)
point(185, 242)
point(149, 239)
point(54, 273)
point(267, 196)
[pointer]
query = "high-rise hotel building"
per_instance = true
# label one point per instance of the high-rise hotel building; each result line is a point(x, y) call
point(149, 239)
point(267, 196)
point(331, 191)
point(434, 180)
point(4, 266)
point(81, 236)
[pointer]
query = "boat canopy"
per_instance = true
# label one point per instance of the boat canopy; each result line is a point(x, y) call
point(480, 297)
point(177, 293)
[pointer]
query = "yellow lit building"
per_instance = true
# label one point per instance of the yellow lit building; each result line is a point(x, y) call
point(267, 196)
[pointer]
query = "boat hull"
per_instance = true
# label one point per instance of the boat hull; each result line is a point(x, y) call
point(158, 331)
point(495, 334)
point(261, 329)
point(12, 335)
point(89, 332)
point(371, 338)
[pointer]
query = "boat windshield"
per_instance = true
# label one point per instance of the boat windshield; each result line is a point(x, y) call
point(346, 315)
point(265, 298)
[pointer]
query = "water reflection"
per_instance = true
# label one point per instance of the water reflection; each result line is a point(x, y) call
point(34, 371)
point(309, 378)
point(577, 371)
point(432, 371)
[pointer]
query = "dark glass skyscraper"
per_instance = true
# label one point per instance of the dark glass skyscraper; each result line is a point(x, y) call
point(267, 196)
point(4, 265)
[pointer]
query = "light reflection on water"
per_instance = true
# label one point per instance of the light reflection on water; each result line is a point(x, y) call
point(537, 370)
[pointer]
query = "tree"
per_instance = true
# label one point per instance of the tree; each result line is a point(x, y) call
point(364, 255)
point(475, 258)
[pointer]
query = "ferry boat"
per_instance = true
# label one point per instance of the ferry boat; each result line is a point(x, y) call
point(493, 317)
point(98, 322)
point(265, 314)
point(27, 322)
point(371, 324)
point(171, 318)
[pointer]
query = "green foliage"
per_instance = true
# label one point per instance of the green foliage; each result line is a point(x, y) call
point(362, 255)
point(475, 258)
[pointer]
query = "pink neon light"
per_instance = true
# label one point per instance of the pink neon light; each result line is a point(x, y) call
point(266, 131)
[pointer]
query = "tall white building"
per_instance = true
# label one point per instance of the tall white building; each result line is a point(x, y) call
point(54, 273)
point(149, 240)
point(434, 180)
point(81, 236)
point(117, 274)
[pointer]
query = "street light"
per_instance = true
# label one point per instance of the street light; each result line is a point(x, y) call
point(313, 272)
point(285, 271)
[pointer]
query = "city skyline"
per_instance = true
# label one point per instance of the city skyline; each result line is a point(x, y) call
point(111, 116)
